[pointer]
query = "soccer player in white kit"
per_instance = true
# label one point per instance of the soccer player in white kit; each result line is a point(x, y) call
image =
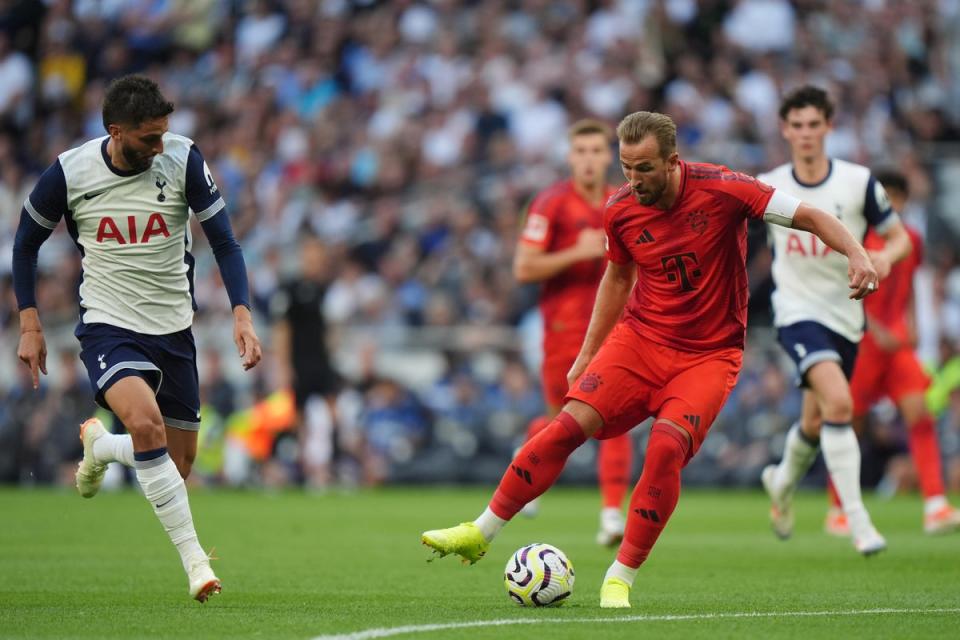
point(126, 199)
point(818, 323)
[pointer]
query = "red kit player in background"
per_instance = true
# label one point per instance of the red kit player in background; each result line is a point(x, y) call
point(887, 366)
point(665, 338)
point(562, 246)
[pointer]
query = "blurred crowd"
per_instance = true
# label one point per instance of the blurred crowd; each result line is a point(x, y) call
point(377, 158)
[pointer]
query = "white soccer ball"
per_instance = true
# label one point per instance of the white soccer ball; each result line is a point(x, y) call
point(539, 575)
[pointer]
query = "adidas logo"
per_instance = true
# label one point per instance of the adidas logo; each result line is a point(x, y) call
point(645, 237)
point(694, 420)
point(648, 514)
point(523, 473)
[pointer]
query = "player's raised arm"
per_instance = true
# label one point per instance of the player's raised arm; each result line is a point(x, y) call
point(615, 288)
point(204, 198)
point(861, 272)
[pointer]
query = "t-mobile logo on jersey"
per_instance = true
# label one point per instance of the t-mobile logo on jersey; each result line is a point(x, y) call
point(676, 268)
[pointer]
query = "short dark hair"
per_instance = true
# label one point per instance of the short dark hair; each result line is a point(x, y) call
point(892, 180)
point(132, 99)
point(807, 96)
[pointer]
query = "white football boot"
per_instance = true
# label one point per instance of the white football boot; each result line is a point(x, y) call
point(203, 582)
point(89, 471)
point(866, 539)
point(781, 504)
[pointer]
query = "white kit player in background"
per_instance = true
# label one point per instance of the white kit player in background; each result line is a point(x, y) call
point(818, 323)
point(126, 200)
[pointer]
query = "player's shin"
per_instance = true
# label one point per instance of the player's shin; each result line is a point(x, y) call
point(841, 453)
point(655, 495)
point(111, 447)
point(614, 461)
point(799, 452)
point(537, 465)
point(165, 490)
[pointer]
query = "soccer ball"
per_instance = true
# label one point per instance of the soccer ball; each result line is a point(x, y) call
point(538, 575)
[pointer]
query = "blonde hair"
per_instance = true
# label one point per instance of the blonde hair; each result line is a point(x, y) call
point(640, 124)
point(589, 126)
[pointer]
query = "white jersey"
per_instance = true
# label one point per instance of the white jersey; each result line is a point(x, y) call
point(132, 230)
point(811, 279)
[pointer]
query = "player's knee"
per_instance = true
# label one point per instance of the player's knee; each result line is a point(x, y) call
point(913, 408)
point(144, 425)
point(838, 408)
point(586, 416)
point(668, 445)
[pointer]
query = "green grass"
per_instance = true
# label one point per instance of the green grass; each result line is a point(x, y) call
point(299, 566)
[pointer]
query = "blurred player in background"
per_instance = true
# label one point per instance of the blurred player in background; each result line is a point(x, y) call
point(562, 246)
point(676, 250)
point(304, 363)
point(887, 366)
point(126, 199)
point(818, 324)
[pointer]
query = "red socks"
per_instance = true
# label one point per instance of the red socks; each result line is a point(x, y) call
point(537, 425)
point(655, 495)
point(614, 462)
point(536, 466)
point(922, 439)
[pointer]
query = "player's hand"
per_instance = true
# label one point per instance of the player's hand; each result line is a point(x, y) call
point(32, 351)
point(881, 263)
point(248, 344)
point(886, 340)
point(579, 366)
point(862, 274)
point(591, 244)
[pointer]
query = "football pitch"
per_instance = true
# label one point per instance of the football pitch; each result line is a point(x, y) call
point(305, 566)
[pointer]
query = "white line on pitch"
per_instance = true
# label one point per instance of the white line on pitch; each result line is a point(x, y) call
point(386, 632)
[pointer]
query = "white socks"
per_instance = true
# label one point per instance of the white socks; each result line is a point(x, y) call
point(164, 489)
point(841, 452)
point(798, 454)
point(622, 572)
point(111, 447)
point(933, 504)
point(489, 524)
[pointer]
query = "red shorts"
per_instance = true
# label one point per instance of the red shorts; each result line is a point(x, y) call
point(558, 357)
point(878, 373)
point(632, 378)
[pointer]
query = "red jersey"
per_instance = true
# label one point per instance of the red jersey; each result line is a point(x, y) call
point(555, 219)
point(889, 304)
point(691, 292)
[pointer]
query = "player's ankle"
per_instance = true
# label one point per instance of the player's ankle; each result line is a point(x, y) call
point(622, 572)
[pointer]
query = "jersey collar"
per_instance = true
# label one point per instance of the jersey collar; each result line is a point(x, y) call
point(811, 185)
point(106, 159)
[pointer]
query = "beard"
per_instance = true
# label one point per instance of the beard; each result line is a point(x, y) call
point(136, 161)
point(651, 197)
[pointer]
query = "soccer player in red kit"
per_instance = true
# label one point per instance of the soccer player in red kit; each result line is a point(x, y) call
point(562, 246)
point(887, 366)
point(665, 338)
